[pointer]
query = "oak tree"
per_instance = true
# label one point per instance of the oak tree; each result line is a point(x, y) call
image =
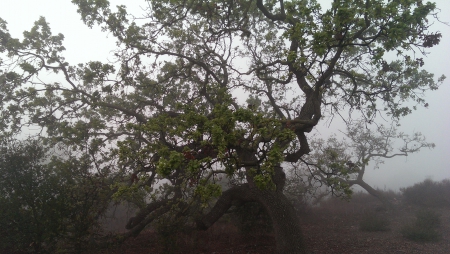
point(205, 89)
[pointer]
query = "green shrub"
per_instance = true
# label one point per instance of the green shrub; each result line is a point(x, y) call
point(46, 204)
point(425, 228)
point(428, 193)
point(419, 234)
point(428, 219)
point(30, 197)
point(169, 228)
point(372, 223)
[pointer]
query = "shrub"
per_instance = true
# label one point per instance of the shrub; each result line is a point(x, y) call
point(425, 227)
point(428, 193)
point(169, 229)
point(428, 219)
point(372, 223)
point(31, 199)
point(46, 204)
point(419, 234)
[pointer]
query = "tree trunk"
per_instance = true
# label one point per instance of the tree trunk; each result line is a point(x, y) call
point(286, 225)
point(374, 193)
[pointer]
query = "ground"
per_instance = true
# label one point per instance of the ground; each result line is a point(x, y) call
point(334, 227)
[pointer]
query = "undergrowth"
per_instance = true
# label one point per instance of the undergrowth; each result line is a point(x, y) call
point(428, 193)
point(425, 228)
point(372, 222)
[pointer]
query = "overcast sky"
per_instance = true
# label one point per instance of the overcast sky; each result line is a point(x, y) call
point(84, 44)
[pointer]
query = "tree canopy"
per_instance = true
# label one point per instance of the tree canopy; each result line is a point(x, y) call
point(201, 90)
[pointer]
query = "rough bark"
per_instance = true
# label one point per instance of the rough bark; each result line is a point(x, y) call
point(286, 224)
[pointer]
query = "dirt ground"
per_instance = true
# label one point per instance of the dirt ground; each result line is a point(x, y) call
point(331, 228)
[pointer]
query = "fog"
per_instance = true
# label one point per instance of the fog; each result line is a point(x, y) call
point(84, 44)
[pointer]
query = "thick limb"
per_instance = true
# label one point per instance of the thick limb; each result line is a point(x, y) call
point(234, 195)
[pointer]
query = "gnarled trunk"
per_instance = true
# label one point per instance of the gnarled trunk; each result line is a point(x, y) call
point(286, 225)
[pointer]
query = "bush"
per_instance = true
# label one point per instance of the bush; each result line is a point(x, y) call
point(30, 197)
point(372, 223)
point(419, 234)
point(428, 219)
point(46, 204)
point(428, 193)
point(425, 227)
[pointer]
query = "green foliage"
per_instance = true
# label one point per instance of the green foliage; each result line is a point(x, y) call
point(44, 200)
point(372, 222)
point(31, 201)
point(168, 229)
point(425, 228)
point(428, 193)
point(207, 191)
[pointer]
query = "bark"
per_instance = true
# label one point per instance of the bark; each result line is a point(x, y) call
point(236, 194)
point(286, 224)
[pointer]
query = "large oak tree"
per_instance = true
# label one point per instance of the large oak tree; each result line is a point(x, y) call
point(206, 89)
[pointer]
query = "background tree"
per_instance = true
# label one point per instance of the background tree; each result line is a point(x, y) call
point(46, 202)
point(28, 193)
point(340, 164)
point(169, 106)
